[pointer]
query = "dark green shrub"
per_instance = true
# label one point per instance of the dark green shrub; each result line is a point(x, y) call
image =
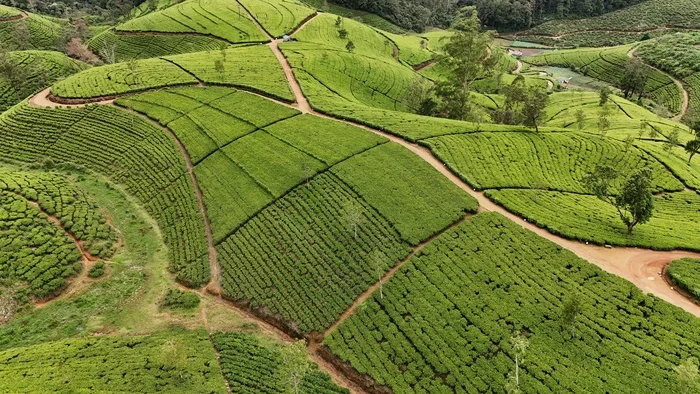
point(178, 299)
point(97, 270)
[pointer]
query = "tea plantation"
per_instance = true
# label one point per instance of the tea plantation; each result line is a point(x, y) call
point(213, 208)
point(446, 318)
point(684, 272)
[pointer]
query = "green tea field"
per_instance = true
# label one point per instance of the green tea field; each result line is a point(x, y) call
point(281, 196)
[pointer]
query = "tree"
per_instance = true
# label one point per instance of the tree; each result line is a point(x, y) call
point(570, 312)
point(635, 78)
point(350, 46)
point(604, 119)
point(643, 127)
point(629, 143)
point(306, 170)
point(520, 344)
point(580, 119)
point(688, 373)
point(417, 97)
point(536, 100)
point(21, 35)
point(219, 66)
point(295, 366)
point(378, 259)
point(8, 306)
point(692, 147)
point(604, 95)
point(339, 21)
point(175, 357)
point(672, 140)
point(109, 54)
point(342, 33)
point(77, 49)
point(354, 216)
point(467, 57)
point(634, 204)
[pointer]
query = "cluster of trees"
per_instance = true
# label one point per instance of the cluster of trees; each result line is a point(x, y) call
point(468, 58)
point(503, 14)
point(102, 10)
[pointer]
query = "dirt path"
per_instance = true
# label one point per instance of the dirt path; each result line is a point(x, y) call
point(22, 15)
point(424, 66)
point(75, 284)
point(368, 293)
point(686, 96)
point(518, 67)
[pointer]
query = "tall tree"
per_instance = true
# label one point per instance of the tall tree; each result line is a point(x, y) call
point(520, 344)
point(634, 203)
point(604, 95)
point(688, 373)
point(692, 147)
point(580, 119)
point(536, 99)
point(354, 217)
point(467, 58)
point(570, 312)
point(673, 139)
point(604, 119)
point(634, 80)
point(378, 259)
point(295, 366)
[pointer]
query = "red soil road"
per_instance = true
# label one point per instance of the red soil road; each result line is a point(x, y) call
point(22, 15)
point(686, 97)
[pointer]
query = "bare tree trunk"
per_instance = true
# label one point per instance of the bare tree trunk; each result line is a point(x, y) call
point(381, 292)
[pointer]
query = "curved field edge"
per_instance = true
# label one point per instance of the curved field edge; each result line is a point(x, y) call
point(686, 274)
point(498, 264)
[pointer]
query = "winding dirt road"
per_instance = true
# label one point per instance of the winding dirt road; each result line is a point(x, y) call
point(686, 96)
point(22, 15)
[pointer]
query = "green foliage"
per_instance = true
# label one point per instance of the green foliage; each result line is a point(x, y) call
point(643, 17)
point(97, 270)
point(298, 257)
point(142, 46)
point(322, 30)
point(131, 152)
point(467, 58)
point(122, 78)
point(278, 17)
point(43, 33)
point(609, 65)
point(677, 54)
point(255, 68)
point(559, 161)
point(585, 218)
point(8, 13)
point(447, 316)
point(30, 71)
point(686, 274)
point(333, 78)
point(179, 299)
point(115, 364)
point(35, 253)
point(216, 18)
point(412, 195)
point(251, 366)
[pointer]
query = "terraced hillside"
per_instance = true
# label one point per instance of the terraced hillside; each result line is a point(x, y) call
point(608, 65)
point(39, 69)
point(624, 26)
point(43, 33)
